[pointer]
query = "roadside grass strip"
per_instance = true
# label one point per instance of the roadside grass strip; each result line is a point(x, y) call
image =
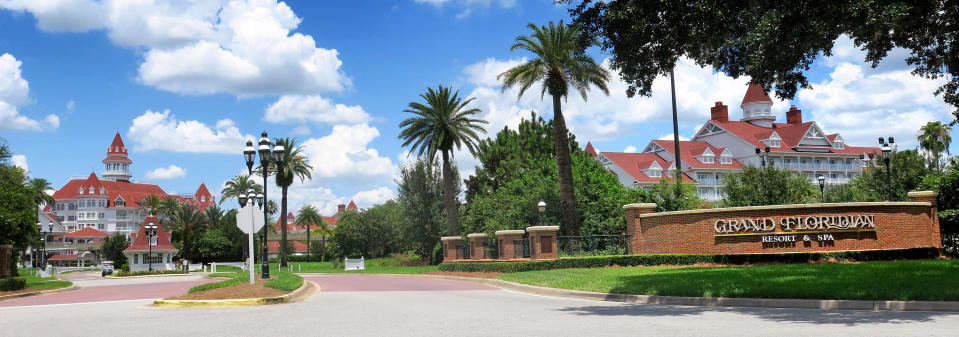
point(235, 278)
point(34, 282)
point(285, 281)
point(922, 280)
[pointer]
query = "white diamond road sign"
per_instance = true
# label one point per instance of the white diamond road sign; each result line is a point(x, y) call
point(248, 215)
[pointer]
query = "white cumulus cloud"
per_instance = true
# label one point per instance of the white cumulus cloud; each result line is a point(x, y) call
point(170, 172)
point(14, 93)
point(162, 131)
point(20, 161)
point(313, 108)
point(366, 199)
point(345, 154)
point(61, 15)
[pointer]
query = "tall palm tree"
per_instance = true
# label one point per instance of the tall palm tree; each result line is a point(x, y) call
point(935, 137)
point(39, 187)
point(442, 123)
point(295, 165)
point(186, 220)
point(239, 184)
point(560, 62)
point(309, 217)
point(325, 231)
point(213, 214)
point(152, 203)
point(168, 205)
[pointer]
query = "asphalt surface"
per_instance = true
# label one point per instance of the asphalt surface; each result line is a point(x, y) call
point(367, 305)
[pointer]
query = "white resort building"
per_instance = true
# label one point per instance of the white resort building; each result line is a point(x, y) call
point(722, 146)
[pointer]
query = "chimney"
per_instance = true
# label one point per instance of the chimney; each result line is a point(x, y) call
point(340, 208)
point(794, 116)
point(720, 112)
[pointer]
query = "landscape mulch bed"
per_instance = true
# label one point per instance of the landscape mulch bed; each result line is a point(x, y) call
point(243, 290)
point(465, 274)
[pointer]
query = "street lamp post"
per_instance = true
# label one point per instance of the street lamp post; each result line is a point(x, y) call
point(250, 196)
point(151, 232)
point(886, 157)
point(762, 155)
point(822, 187)
point(542, 211)
point(269, 154)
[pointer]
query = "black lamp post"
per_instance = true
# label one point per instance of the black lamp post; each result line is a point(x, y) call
point(151, 233)
point(886, 157)
point(822, 187)
point(762, 155)
point(269, 154)
point(542, 211)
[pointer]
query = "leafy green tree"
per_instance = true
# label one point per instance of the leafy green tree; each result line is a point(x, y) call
point(667, 200)
point(935, 137)
point(308, 216)
point(212, 245)
point(113, 247)
point(772, 42)
point(374, 232)
point(755, 186)
point(17, 226)
point(442, 124)
point(420, 188)
point(296, 165)
point(908, 169)
point(239, 184)
point(560, 62)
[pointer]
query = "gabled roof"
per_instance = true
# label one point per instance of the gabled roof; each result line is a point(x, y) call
point(117, 147)
point(755, 93)
point(634, 163)
point(352, 206)
point(117, 159)
point(131, 192)
point(291, 222)
point(88, 232)
point(691, 149)
point(140, 243)
point(589, 149)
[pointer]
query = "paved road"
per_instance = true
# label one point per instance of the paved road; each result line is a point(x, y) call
point(94, 288)
point(361, 305)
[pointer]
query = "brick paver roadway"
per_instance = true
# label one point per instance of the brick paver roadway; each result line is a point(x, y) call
point(95, 289)
point(370, 305)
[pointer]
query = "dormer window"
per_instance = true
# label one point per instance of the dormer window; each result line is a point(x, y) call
point(708, 157)
point(80, 190)
point(655, 173)
point(119, 202)
point(838, 143)
point(92, 190)
point(773, 141)
point(203, 198)
point(726, 158)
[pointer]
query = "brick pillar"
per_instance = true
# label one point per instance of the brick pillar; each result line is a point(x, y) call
point(449, 247)
point(542, 242)
point(633, 212)
point(504, 242)
point(932, 198)
point(477, 242)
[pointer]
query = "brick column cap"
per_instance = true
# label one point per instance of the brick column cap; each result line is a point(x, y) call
point(921, 194)
point(510, 232)
point(542, 229)
point(477, 236)
point(451, 238)
point(645, 205)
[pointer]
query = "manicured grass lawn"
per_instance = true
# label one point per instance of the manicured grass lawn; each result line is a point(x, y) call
point(285, 281)
point(930, 280)
point(43, 282)
point(235, 278)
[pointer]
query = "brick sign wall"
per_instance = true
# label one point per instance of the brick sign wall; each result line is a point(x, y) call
point(786, 228)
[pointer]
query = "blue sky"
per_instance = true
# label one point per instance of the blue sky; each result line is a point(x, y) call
point(186, 83)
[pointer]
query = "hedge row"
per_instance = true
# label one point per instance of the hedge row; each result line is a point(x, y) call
point(685, 259)
point(12, 283)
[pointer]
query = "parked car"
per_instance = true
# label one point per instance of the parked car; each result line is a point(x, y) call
point(107, 268)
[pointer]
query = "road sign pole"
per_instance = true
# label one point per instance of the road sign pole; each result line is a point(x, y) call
point(250, 234)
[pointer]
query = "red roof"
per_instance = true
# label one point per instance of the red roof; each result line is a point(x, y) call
point(274, 246)
point(755, 93)
point(88, 232)
point(589, 149)
point(117, 158)
point(63, 257)
point(352, 206)
point(140, 243)
point(634, 163)
point(117, 147)
point(691, 149)
point(290, 222)
point(130, 192)
point(791, 135)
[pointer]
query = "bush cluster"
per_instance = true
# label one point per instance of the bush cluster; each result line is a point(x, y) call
point(13, 283)
point(685, 259)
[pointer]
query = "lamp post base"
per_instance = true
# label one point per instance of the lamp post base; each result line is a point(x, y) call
point(265, 271)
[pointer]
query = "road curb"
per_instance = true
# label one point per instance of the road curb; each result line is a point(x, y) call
point(305, 291)
point(708, 301)
point(39, 292)
point(142, 276)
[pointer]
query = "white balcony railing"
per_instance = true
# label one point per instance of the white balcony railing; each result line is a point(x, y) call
point(820, 166)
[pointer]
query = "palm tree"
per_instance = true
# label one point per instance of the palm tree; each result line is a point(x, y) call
point(39, 187)
point(560, 62)
point(295, 165)
point(152, 203)
point(213, 214)
point(186, 220)
point(239, 184)
point(168, 205)
point(309, 217)
point(325, 231)
point(935, 137)
point(441, 124)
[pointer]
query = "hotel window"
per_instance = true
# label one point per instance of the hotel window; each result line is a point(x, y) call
point(655, 173)
point(101, 227)
point(136, 258)
point(832, 176)
point(707, 159)
point(156, 258)
point(701, 177)
point(726, 160)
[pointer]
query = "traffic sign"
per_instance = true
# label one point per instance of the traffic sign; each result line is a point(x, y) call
point(249, 215)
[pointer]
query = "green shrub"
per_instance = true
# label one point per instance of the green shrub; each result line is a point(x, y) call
point(13, 283)
point(685, 259)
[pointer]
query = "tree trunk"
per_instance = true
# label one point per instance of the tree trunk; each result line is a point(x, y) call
point(564, 167)
point(283, 228)
point(323, 257)
point(308, 243)
point(448, 196)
